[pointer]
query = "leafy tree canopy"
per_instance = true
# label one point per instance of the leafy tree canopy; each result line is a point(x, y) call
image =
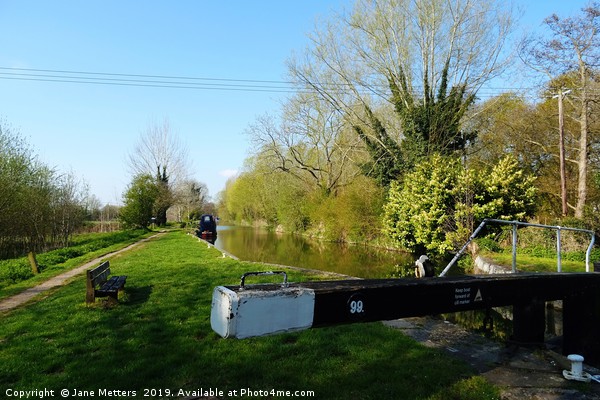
point(139, 200)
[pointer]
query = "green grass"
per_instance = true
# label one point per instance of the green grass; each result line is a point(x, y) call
point(16, 275)
point(531, 263)
point(159, 337)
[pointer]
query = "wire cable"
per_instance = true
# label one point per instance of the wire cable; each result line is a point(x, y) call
point(200, 83)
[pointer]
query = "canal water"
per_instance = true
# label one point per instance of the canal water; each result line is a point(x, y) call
point(255, 244)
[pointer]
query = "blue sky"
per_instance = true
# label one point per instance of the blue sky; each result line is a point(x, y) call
point(90, 129)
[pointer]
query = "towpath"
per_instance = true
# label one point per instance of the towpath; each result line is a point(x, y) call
point(27, 295)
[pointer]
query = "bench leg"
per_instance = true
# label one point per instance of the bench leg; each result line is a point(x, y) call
point(90, 297)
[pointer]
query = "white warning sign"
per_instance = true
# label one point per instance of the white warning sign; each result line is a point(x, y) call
point(462, 296)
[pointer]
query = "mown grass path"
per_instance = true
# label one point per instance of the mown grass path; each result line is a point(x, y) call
point(157, 343)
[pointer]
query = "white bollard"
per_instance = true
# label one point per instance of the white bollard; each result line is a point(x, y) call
point(576, 364)
point(576, 373)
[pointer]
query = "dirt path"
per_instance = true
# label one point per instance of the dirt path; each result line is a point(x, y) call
point(59, 280)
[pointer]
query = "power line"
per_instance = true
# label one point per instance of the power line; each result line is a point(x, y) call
point(159, 81)
point(169, 85)
point(190, 82)
point(70, 72)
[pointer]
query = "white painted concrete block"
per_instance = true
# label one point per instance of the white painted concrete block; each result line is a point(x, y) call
point(253, 312)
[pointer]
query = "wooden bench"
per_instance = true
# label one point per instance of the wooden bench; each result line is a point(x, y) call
point(98, 283)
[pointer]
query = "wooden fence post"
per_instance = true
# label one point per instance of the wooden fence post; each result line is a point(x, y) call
point(35, 267)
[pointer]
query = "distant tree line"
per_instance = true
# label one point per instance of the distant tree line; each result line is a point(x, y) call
point(41, 208)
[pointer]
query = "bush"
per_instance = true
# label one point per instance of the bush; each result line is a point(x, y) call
point(489, 244)
point(12, 271)
point(437, 205)
point(352, 215)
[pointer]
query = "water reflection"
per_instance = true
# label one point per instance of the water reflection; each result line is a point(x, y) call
point(494, 322)
point(497, 322)
point(267, 246)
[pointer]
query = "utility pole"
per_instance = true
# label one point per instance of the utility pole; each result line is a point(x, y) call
point(561, 150)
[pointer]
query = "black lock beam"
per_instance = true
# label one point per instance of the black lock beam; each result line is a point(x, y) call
point(352, 301)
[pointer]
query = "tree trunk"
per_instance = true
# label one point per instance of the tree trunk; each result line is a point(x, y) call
point(583, 150)
point(583, 160)
point(561, 132)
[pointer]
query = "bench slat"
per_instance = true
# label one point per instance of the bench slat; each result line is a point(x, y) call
point(101, 278)
point(99, 275)
point(113, 284)
point(99, 270)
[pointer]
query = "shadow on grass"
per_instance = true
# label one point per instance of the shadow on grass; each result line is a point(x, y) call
point(135, 296)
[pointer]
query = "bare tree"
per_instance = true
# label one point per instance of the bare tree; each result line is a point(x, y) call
point(427, 58)
point(573, 50)
point(109, 218)
point(159, 148)
point(190, 197)
point(312, 143)
point(159, 153)
point(68, 206)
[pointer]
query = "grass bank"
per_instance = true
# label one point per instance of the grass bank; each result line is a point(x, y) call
point(16, 275)
point(158, 341)
point(536, 250)
point(532, 263)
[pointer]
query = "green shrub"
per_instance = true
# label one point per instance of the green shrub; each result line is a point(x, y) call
point(12, 271)
point(352, 214)
point(436, 206)
point(489, 244)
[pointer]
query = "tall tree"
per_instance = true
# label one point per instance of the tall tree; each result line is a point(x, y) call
point(427, 58)
point(573, 49)
point(159, 153)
